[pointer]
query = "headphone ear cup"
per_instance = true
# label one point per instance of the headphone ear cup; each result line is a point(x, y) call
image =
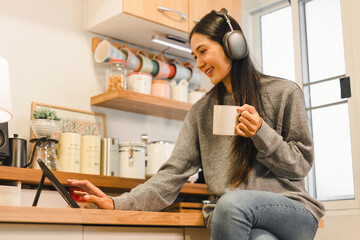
point(234, 45)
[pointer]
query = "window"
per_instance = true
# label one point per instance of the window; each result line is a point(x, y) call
point(319, 41)
point(324, 64)
point(277, 47)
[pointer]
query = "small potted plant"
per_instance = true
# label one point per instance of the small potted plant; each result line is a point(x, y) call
point(44, 122)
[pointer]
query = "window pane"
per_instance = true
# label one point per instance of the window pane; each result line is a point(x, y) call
point(333, 160)
point(277, 44)
point(325, 92)
point(324, 39)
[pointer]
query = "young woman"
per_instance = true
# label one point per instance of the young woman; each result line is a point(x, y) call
point(257, 175)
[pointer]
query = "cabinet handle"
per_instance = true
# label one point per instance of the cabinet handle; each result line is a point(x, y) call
point(163, 9)
point(196, 20)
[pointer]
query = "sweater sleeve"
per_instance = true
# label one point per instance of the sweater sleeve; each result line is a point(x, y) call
point(289, 155)
point(162, 189)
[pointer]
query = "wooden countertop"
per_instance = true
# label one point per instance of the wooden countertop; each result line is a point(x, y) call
point(11, 214)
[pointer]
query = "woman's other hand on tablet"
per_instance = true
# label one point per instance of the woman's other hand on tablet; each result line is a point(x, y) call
point(91, 193)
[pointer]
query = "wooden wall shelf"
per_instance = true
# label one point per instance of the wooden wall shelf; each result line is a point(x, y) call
point(107, 184)
point(142, 103)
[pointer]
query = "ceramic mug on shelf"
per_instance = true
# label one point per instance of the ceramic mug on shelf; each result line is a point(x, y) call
point(195, 79)
point(164, 70)
point(131, 61)
point(146, 65)
point(106, 51)
point(181, 72)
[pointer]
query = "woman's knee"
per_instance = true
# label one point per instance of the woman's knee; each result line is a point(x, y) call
point(231, 203)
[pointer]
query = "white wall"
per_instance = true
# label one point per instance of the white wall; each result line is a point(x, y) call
point(51, 62)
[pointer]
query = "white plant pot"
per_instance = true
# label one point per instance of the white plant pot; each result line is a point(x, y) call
point(43, 127)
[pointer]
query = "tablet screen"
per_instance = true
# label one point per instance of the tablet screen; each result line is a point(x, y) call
point(57, 185)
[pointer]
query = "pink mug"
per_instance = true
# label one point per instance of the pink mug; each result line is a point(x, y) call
point(164, 70)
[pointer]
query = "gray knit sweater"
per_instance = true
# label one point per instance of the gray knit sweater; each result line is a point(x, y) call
point(284, 144)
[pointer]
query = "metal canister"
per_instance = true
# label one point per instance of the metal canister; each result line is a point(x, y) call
point(109, 165)
point(132, 160)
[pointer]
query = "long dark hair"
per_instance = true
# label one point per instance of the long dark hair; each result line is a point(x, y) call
point(245, 90)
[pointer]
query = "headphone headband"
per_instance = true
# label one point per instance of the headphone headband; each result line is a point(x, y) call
point(224, 13)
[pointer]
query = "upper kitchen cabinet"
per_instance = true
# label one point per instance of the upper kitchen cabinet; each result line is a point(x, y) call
point(198, 8)
point(171, 13)
point(136, 21)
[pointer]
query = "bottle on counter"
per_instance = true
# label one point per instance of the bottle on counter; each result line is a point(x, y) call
point(116, 75)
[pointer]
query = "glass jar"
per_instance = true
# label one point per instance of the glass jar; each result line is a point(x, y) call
point(116, 75)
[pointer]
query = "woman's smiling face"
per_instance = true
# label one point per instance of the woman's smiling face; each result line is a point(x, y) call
point(211, 59)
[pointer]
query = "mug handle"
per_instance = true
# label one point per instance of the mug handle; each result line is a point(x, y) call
point(142, 52)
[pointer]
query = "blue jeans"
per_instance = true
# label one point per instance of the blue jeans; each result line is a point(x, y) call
point(258, 215)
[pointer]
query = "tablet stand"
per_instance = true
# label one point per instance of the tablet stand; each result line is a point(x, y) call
point(37, 196)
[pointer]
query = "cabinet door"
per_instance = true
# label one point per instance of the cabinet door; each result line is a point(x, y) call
point(170, 16)
point(11, 231)
point(199, 8)
point(197, 234)
point(132, 233)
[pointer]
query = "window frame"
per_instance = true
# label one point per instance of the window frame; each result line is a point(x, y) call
point(251, 25)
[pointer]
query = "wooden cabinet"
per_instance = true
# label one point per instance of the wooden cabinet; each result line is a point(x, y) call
point(132, 233)
point(38, 223)
point(198, 9)
point(40, 231)
point(136, 21)
point(171, 13)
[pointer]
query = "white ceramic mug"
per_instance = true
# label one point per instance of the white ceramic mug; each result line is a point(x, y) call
point(106, 51)
point(195, 80)
point(181, 72)
point(226, 117)
point(146, 65)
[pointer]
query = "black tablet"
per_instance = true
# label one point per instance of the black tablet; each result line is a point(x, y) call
point(57, 185)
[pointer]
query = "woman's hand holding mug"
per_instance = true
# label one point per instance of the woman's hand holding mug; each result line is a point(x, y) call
point(249, 121)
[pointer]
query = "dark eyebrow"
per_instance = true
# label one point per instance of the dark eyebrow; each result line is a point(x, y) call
point(197, 48)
